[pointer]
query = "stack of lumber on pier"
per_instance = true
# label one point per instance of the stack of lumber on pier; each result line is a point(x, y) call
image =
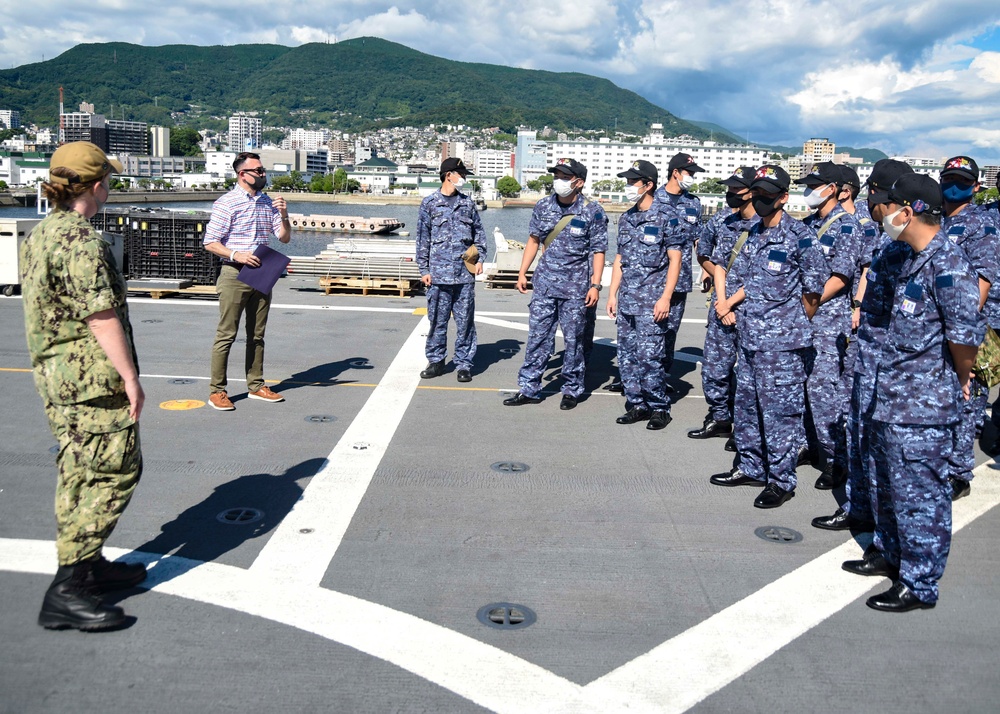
point(369, 266)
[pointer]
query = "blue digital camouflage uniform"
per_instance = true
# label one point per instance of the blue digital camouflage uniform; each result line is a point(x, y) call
point(936, 300)
point(718, 377)
point(68, 274)
point(876, 309)
point(840, 239)
point(871, 238)
point(679, 213)
point(775, 268)
point(643, 250)
point(560, 284)
point(977, 237)
point(446, 227)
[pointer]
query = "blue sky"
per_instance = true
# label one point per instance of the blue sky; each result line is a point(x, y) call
point(919, 78)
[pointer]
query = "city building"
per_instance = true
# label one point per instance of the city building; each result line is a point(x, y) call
point(127, 137)
point(605, 159)
point(453, 150)
point(160, 141)
point(10, 119)
point(245, 132)
point(529, 156)
point(492, 162)
point(114, 136)
point(308, 139)
point(152, 166)
point(220, 164)
point(816, 150)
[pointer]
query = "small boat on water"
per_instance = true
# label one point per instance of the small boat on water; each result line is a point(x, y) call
point(480, 203)
point(344, 224)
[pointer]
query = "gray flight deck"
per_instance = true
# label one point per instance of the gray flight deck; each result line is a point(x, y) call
point(385, 531)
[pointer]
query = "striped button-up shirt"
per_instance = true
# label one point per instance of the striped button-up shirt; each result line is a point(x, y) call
point(241, 221)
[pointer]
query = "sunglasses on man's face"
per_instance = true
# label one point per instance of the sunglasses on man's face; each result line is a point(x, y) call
point(260, 171)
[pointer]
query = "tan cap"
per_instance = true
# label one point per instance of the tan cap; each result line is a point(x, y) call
point(85, 159)
point(471, 258)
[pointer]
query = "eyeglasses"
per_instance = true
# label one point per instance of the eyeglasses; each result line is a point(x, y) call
point(260, 171)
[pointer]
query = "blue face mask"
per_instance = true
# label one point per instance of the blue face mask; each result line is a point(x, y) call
point(956, 192)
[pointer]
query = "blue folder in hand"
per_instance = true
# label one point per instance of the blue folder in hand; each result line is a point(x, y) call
point(272, 266)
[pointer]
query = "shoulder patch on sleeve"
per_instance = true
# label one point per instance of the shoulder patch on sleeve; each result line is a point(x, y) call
point(944, 281)
point(847, 229)
point(805, 242)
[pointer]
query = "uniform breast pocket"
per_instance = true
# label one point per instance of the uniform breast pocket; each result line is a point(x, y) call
point(908, 322)
point(651, 247)
point(775, 278)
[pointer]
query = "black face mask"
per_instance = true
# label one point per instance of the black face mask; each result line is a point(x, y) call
point(737, 200)
point(258, 182)
point(765, 206)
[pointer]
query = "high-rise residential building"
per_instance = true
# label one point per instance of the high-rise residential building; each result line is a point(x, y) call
point(308, 139)
point(453, 150)
point(127, 137)
point(244, 132)
point(84, 126)
point(160, 136)
point(529, 156)
point(492, 162)
point(817, 150)
point(9, 119)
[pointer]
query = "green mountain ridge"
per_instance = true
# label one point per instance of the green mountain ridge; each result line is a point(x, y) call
point(354, 85)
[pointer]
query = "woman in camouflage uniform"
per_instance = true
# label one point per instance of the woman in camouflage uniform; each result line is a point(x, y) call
point(86, 372)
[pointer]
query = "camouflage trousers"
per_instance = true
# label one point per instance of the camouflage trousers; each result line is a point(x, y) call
point(860, 468)
point(826, 399)
point(443, 302)
point(641, 353)
point(99, 463)
point(768, 413)
point(913, 501)
point(963, 456)
point(678, 301)
point(544, 314)
point(718, 377)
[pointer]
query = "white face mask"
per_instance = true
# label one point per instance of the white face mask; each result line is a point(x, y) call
point(891, 230)
point(814, 197)
point(686, 181)
point(458, 183)
point(562, 187)
point(632, 193)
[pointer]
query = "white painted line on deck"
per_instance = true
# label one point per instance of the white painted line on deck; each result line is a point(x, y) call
point(672, 677)
point(328, 503)
point(685, 670)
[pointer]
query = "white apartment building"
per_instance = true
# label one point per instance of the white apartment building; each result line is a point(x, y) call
point(9, 119)
point(308, 139)
point(244, 132)
point(816, 150)
point(220, 164)
point(160, 140)
point(492, 162)
point(605, 159)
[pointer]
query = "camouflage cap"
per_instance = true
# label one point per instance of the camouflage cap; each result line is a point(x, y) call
point(85, 159)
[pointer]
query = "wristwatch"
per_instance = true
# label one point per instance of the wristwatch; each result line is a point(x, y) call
point(596, 286)
point(855, 303)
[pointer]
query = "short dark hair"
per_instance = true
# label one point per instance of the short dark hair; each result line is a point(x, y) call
point(927, 218)
point(243, 157)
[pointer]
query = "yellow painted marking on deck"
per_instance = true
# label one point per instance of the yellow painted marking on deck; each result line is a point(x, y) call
point(420, 311)
point(13, 369)
point(180, 405)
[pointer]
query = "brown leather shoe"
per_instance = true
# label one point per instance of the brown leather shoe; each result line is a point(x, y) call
point(220, 401)
point(266, 395)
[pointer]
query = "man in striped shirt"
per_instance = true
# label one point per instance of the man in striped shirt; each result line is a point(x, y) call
point(241, 221)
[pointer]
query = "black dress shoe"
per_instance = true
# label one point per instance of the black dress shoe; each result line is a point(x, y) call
point(668, 388)
point(567, 403)
point(658, 420)
point(615, 386)
point(731, 444)
point(898, 598)
point(772, 496)
point(464, 375)
point(633, 415)
point(959, 488)
point(872, 564)
point(805, 458)
point(433, 369)
point(831, 477)
point(842, 521)
point(734, 478)
point(519, 399)
point(712, 428)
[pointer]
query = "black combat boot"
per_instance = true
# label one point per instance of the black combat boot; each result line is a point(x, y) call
point(106, 576)
point(71, 603)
